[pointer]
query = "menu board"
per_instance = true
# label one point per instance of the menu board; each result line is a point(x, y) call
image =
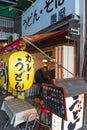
point(54, 100)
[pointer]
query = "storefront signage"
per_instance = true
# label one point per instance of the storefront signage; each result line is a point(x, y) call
point(75, 108)
point(56, 122)
point(44, 13)
point(55, 100)
point(21, 70)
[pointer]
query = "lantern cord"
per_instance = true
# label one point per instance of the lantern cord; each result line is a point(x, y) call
point(59, 65)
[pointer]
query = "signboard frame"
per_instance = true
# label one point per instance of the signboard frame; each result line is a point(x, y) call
point(59, 102)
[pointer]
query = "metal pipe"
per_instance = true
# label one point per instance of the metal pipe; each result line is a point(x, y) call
point(58, 65)
point(7, 7)
point(31, 1)
point(7, 1)
point(13, 8)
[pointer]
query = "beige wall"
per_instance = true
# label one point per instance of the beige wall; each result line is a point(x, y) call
point(65, 56)
point(39, 56)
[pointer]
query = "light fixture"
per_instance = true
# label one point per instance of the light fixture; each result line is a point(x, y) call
point(6, 7)
point(44, 60)
point(5, 44)
point(67, 37)
point(12, 8)
point(52, 60)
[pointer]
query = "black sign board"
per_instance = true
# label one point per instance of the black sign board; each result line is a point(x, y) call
point(54, 100)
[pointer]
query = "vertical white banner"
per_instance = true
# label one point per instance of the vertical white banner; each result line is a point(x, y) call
point(56, 122)
point(75, 108)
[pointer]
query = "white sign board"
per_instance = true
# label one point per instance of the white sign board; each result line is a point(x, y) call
point(75, 108)
point(44, 13)
point(56, 122)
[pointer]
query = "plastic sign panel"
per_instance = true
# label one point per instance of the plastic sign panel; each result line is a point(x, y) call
point(21, 70)
point(45, 13)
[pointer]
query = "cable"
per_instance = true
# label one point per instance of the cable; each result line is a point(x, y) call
point(43, 124)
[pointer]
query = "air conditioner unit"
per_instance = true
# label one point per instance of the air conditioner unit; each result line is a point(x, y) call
point(12, 37)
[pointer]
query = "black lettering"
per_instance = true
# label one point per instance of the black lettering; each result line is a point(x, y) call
point(28, 76)
point(18, 77)
point(27, 23)
point(20, 64)
point(47, 7)
point(35, 17)
point(18, 87)
point(28, 67)
point(28, 58)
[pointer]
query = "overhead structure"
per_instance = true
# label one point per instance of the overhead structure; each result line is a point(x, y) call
point(14, 8)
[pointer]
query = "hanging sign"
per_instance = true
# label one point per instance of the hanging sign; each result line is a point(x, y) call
point(44, 13)
point(21, 70)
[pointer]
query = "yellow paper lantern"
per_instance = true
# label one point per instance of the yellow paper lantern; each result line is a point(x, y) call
point(21, 70)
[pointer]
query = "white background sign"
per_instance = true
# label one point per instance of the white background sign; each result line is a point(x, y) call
point(75, 110)
point(44, 13)
point(56, 122)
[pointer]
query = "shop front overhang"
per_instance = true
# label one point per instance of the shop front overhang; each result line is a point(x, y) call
point(61, 32)
point(46, 39)
point(66, 30)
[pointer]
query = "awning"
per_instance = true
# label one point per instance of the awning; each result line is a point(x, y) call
point(11, 45)
point(72, 86)
point(40, 40)
point(45, 36)
point(47, 39)
point(36, 42)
